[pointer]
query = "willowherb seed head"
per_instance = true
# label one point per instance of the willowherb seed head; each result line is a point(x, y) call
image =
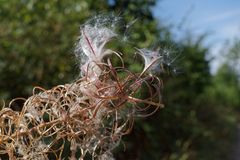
point(90, 114)
point(93, 40)
point(157, 61)
point(152, 60)
point(95, 33)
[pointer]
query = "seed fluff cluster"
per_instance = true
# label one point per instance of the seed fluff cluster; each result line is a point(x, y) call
point(88, 117)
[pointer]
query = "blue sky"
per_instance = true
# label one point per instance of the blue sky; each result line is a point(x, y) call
point(219, 18)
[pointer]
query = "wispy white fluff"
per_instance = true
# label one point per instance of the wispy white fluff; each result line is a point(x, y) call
point(94, 36)
point(157, 61)
point(152, 60)
point(93, 40)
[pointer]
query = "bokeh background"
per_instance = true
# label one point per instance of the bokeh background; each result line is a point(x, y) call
point(202, 99)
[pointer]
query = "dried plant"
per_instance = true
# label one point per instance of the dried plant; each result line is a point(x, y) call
point(92, 113)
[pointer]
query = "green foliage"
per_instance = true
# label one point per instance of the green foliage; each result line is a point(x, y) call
point(226, 87)
point(37, 41)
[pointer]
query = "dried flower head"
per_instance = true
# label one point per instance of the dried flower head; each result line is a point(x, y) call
point(88, 116)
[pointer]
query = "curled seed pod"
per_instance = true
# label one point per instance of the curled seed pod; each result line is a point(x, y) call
point(152, 60)
point(95, 33)
point(158, 61)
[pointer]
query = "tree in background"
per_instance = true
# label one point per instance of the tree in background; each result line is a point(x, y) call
point(233, 57)
point(226, 86)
